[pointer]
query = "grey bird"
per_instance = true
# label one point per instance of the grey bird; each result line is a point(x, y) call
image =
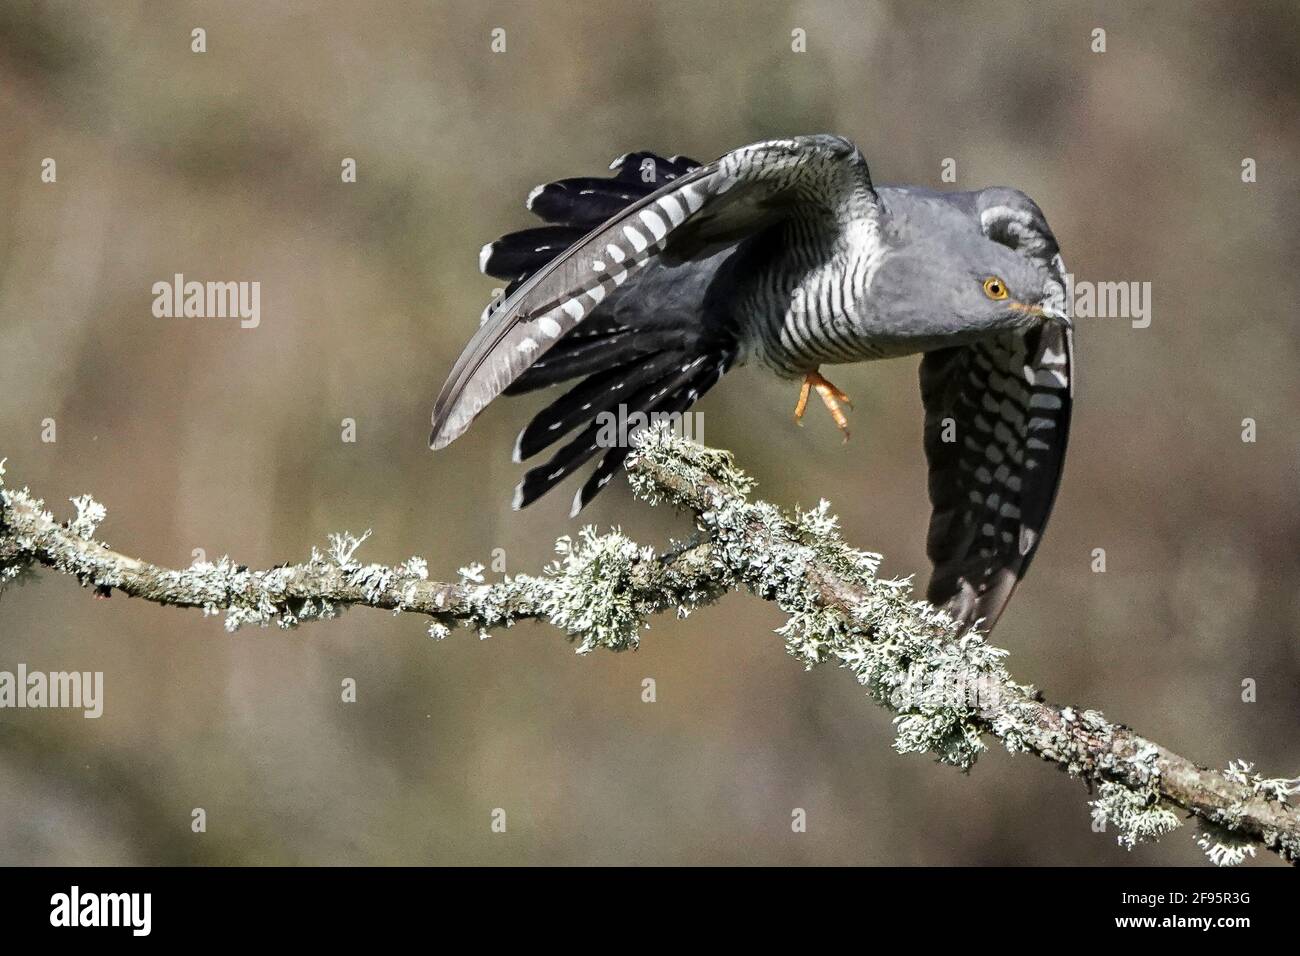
point(650, 285)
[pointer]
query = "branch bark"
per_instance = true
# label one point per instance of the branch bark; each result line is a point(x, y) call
point(949, 689)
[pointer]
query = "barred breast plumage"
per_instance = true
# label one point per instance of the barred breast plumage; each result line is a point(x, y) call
point(809, 305)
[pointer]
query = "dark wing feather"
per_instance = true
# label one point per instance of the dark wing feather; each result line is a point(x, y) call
point(585, 200)
point(681, 394)
point(690, 216)
point(598, 393)
point(550, 303)
point(521, 252)
point(997, 417)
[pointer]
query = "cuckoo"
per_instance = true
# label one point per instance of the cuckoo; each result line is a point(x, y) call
point(647, 286)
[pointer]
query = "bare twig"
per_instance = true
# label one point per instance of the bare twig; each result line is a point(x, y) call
point(949, 689)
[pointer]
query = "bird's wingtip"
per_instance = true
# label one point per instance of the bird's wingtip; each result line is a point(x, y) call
point(441, 436)
point(577, 504)
point(449, 423)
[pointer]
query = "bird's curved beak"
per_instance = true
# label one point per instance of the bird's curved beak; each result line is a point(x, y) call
point(1056, 314)
point(1052, 311)
point(1055, 305)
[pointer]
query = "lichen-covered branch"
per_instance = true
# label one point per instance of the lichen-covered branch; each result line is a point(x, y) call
point(949, 690)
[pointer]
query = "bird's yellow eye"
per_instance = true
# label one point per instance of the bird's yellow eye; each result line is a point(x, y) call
point(995, 288)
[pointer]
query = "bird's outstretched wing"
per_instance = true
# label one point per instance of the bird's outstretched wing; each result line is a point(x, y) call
point(997, 417)
point(691, 216)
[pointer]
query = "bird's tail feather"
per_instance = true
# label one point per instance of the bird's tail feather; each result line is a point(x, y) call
point(650, 350)
point(613, 406)
point(574, 207)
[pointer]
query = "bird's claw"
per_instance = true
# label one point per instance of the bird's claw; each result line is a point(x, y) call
point(831, 397)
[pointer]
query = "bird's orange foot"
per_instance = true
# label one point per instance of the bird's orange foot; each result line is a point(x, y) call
point(831, 397)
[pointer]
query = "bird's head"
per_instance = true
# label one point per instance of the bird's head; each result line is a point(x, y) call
point(949, 273)
point(1010, 219)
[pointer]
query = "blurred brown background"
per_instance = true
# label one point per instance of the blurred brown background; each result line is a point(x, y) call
point(198, 434)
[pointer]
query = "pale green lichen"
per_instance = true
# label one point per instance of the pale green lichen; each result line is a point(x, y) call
point(1220, 835)
point(886, 638)
point(1270, 788)
point(601, 590)
point(89, 515)
point(946, 688)
point(1138, 815)
point(1222, 846)
point(246, 597)
point(16, 565)
point(1134, 807)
